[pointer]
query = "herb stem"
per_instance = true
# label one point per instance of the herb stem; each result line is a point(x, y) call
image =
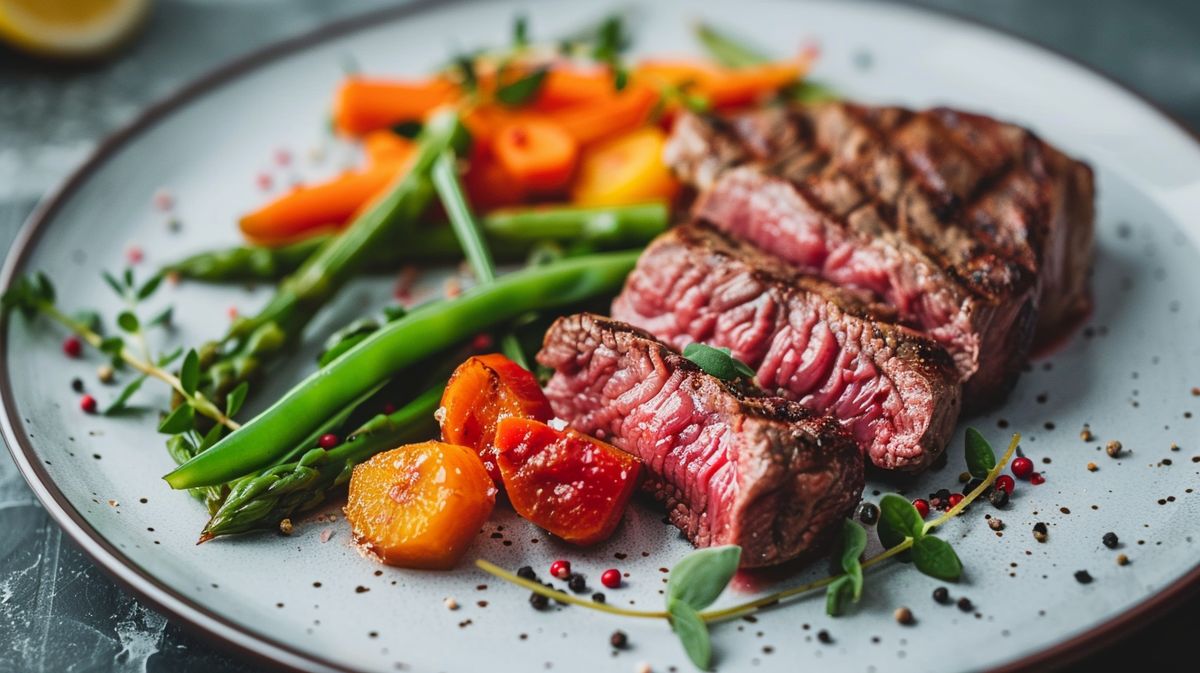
point(769, 600)
point(197, 400)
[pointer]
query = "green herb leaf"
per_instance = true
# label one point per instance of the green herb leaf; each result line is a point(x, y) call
point(465, 65)
point(163, 318)
point(898, 519)
point(164, 360)
point(692, 631)
point(128, 277)
point(702, 575)
point(89, 319)
point(346, 338)
point(620, 78)
point(44, 289)
point(812, 92)
point(149, 287)
point(717, 362)
point(407, 129)
point(211, 437)
point(113, 283)
point(189, 373)
point(520, 35)
point(726, 50)
point(980, 457)
point(854, 542)
point(936, 558)
point(180, 420)
point(394, 312)
point(522, 90)
point(610, 41)
point(121, 403)
point(113, 346)
point(236, 398)
point(128, 321)
point(837, 594)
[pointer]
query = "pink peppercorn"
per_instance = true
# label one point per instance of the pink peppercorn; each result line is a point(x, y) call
point(560, 569)
point(72, 346)
point(611, 578)
point(1005, 483)
point(88, 404)
point(328, 441)
point(1022, 467)
point(922, 507)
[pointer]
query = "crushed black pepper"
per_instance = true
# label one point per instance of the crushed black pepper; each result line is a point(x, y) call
point(824, 636)
point(1110, 540)
point(942, 595)
point(965, 604)
point(1083, 577)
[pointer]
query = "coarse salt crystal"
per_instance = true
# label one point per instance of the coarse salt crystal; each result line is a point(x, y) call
point(326, 534)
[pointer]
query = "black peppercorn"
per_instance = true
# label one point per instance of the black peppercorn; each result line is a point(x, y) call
point(1040, 532)
point(942, 595)
point(618, 639)
point(824, 636)
point(972, 485)
point(577, 583)
point(598, 597)
point(868, 513)
point(1110, 540)
point(965, 604)
point(1083, 577)
point(77, 385)
point(526, 573)
point(998, 497)
point(538, 601)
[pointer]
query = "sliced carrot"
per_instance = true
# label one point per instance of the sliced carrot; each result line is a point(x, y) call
point(385, 146)
point(723, 87)
point(538, 153)
point(623, 170)
point(623, 112)
point(483, 390)
point(420, 505)
point(363, 105)
point(311, 207)
point(565, 86)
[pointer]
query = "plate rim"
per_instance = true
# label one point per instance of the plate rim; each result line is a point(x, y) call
point(262, 649)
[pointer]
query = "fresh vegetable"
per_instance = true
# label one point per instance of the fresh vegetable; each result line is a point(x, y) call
point(625, 169)
point(319, 206)
point(399, 344)
point(251, 341)
point(622, 113)
point(387, 146)
point(421, 505)
point(511, 234)
point(539, 154)
point(362, 105)
point(261, 500)
point(572, 485)
point(733, 53)
point(722, 87)
point(482, 391)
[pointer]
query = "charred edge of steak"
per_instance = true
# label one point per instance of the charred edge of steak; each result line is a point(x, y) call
point(832, 350)
point(731, 464)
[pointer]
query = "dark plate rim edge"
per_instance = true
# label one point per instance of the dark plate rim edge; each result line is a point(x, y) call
point(265, 650)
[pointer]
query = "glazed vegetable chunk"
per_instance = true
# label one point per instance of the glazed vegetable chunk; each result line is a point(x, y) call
point(627, 169)
point(419, 506)
point(482, 391)
point(572, 485)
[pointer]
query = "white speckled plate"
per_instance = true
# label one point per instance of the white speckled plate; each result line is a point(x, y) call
point(300, 601)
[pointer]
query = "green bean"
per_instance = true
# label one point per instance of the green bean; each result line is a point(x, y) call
point(400, 344)
point(511, 234)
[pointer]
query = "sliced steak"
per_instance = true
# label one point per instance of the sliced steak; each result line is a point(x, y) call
point(894, 390)
point(964, 224)
point(732, 465)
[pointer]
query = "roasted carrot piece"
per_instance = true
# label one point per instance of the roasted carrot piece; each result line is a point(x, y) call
point(565, 86)
point(538, 153)
point(362, 105)
point(625, 111)
point(311, 207)
point(723, 87)
point(481, 391)
point(623, 170)
point(385, 146)
point(572, 485)
point(420, 505)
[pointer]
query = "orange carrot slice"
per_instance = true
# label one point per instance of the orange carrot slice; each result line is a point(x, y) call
point(538, 153)
point(623, 112)
point(362, 105)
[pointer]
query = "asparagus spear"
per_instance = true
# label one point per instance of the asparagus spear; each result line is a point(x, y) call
point(254, 340)
point(396, 346)
point(261, 501)
point(511, 235)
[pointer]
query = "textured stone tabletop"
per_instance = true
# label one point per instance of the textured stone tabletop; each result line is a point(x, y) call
point(58, 612)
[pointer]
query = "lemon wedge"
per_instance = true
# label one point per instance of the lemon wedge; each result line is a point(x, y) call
point(69, 28)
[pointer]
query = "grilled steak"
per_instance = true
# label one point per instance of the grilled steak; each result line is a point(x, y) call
point(895, 391)
point(732, 465)
point(976, 231)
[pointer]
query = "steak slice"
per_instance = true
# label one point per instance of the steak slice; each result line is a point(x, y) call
point(732, 465)
point(894, 390)
point(997, 220)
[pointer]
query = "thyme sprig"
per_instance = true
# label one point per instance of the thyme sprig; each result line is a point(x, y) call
point(695, 642)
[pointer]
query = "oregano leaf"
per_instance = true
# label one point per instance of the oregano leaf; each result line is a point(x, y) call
point(520, 35)
point(836, 595)
point(113, 283)
point(702, 575)
point(936, 558)
point(854, 542)
point(121, 403)
point(127, 321)
point(523, 89)
point(180, 420)
point(163, 318)
point(149, 287)
point(692, 632)
point(235, 399)
point(898, 519)
point(980, 457)
point(189, 373)
point(718, 362)
point(164, 360)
